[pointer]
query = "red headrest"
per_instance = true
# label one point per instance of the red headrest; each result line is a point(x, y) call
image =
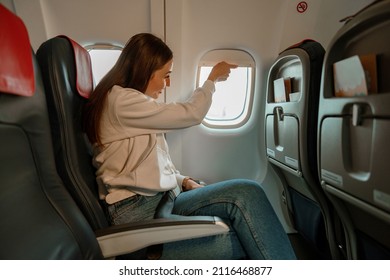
point(84, 80)
point(16, 66)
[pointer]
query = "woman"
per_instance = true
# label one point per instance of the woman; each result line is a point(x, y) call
point(134, 169)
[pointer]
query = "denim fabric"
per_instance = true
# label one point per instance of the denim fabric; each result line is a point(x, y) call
point(133, 209)
point(255, 231)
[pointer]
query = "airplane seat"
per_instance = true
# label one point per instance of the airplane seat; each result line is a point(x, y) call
point(66, 68)
point(291, 142)
point(67, 76)
point(353, 130)
point(39, 218)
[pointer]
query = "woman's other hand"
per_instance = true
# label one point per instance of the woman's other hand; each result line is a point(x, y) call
point(192, 185)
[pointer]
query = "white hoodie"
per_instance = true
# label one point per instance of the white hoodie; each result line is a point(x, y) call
point(135, 158)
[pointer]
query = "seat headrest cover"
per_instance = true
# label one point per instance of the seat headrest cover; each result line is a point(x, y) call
point(84, 80)
point(16, 66)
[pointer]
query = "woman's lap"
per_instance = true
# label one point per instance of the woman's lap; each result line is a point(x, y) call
point(255, 231)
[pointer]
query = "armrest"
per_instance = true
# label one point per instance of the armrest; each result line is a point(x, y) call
point(127, 238)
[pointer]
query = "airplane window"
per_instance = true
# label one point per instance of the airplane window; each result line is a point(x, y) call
point(102, 60)
point(232, 98)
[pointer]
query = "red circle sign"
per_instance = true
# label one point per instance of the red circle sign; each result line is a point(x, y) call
point(302, 7)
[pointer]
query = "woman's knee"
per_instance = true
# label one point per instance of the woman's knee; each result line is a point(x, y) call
point(245, 188)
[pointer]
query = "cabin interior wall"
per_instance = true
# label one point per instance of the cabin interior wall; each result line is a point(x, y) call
point(9, 4)
point(86, 21)
point(194, 27)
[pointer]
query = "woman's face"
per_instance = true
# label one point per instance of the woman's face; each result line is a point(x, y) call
point(159, 80)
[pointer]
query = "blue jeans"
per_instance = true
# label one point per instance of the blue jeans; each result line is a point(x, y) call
point(255, 231)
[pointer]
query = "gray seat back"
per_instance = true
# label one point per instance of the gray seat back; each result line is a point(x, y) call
point(354, 128)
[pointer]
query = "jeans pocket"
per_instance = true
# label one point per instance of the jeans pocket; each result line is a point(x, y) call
point(133, 209)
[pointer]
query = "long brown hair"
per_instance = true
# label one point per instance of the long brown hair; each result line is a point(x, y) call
point(142, 55)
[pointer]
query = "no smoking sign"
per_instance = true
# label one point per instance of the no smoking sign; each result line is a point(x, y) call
point(302, 7)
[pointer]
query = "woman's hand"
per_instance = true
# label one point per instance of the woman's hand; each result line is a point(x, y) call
point(191, 185)
point(221, 71)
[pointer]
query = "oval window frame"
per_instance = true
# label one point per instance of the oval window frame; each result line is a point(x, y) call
point(242, 59)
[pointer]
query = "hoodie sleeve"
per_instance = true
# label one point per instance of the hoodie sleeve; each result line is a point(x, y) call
point(142, 112)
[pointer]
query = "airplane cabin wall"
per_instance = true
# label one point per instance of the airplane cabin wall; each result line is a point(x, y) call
point(86, 21)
